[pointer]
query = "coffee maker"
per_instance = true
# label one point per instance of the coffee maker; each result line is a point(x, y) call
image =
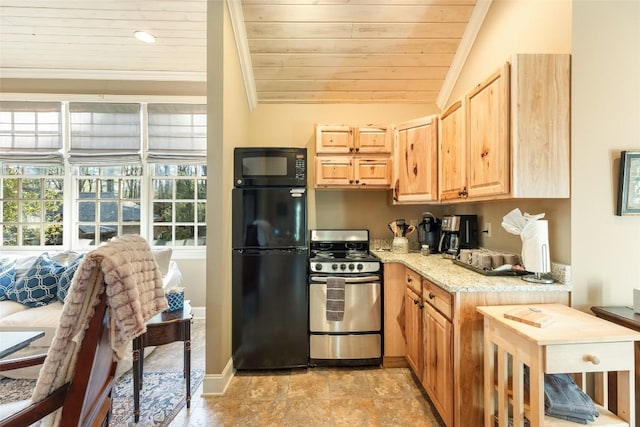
point(458, 232)
point(429, 231)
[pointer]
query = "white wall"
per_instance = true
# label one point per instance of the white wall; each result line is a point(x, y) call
point(605, 120)
point(518, 26)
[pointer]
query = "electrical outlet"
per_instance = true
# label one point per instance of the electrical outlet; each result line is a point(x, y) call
point(487, 229)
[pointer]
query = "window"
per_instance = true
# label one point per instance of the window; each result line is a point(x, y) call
point(127, 168)
point(32, 199)
point(107, 202)
point(177, 150)
point(31, 173)
point(179, 205)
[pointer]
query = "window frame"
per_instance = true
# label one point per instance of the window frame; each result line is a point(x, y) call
point(70, 214)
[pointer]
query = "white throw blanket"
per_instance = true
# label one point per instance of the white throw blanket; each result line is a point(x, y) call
point(134, 292)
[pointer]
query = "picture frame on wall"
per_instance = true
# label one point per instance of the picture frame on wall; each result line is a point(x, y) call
point(629, 184)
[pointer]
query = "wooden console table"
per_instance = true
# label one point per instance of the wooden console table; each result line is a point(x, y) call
point(573, 342)
point(626, 317)
point(163, 328)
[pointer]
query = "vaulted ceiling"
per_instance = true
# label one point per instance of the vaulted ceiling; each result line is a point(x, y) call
point(306, 51)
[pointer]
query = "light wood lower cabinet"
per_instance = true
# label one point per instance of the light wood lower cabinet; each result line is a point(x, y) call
point(444, 339)
point(413, 330)
point(394, 316)
point(437, 378)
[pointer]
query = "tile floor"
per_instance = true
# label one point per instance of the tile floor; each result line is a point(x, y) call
point(320, 397)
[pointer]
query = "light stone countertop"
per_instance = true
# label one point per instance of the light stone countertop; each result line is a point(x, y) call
point(453, 278)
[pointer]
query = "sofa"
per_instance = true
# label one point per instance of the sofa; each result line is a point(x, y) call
point(32, 292)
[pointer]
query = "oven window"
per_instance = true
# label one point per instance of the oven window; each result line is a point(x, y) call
point(264, 166)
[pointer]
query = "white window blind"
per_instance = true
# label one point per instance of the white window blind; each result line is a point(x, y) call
point(104, 133)
point(30, 132)
point(177, 133)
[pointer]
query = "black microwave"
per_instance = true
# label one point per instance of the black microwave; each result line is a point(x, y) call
point(270, 167)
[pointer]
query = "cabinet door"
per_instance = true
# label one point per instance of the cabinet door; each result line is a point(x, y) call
point(438, 361)
point(487, 114)
point(372, 139)
point(394, 315)
point(416, 161)
point(334, 171)
point(372, 171)
point(413, 327)
point(452, 176)
point(332, 139)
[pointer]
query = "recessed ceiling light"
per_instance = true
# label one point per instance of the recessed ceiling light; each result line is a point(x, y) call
point(143, 36)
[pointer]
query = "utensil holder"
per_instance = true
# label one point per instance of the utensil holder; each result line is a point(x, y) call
point(400, 245)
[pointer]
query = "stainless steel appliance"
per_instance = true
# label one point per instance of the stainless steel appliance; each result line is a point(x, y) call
point(270, 167)
point(343, 257)
point(429, 230)
point(269, 275)
point(458, 232)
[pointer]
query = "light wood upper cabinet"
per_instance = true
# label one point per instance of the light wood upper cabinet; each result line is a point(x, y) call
point(541, 126)
point(372, 171)
point(334, 170)
point(515, 131)
point(342, 139)
point(415, 169)
point(334, 139)
point(353, 157)
point(353, 171)
point(487, 125)
point(373, 139)
point(452, 156)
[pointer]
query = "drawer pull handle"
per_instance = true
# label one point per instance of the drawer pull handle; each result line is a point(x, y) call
point(593, 359)
point(431, 295)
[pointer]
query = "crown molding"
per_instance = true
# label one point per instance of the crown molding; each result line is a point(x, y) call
point(71, 74)
point(244, 55)
point(466, 43)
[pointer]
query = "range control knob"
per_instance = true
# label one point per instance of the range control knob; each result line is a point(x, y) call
point(334, 266)
point(343, 266)
point(318, 266)
point(351, 266)
point(360, 266)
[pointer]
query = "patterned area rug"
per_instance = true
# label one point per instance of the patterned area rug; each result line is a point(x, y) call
point(161, 398)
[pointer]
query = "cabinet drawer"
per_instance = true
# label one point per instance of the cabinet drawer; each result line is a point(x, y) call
point(589, 357)
point(413, 280)
point(438, 298)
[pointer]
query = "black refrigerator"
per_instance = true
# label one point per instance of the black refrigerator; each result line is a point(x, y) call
point(269, 278)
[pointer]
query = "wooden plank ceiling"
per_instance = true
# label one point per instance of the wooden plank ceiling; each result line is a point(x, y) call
point(300, 51)
point(353, 50)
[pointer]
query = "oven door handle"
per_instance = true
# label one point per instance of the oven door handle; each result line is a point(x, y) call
point(360, 279)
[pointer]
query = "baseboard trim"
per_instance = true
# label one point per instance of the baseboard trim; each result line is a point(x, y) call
point(216, 384)
point(199, 312)
point(394, 362)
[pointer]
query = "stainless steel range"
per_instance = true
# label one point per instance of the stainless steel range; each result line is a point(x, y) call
point(345, 299)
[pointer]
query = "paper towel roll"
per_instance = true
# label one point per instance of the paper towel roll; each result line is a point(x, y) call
point(535, 247)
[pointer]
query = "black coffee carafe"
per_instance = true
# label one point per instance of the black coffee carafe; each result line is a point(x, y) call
point(429, 230)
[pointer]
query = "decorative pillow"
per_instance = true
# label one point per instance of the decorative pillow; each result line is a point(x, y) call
point(163, 258)
point(7, 276)
point(66, 277)
point(39, 284)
